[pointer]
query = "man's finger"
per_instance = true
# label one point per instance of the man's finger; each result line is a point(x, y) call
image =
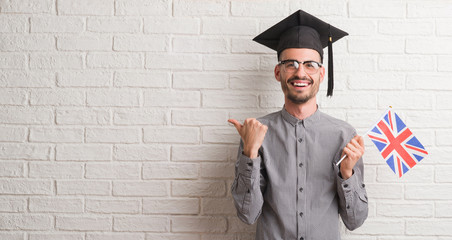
point(236, 123)
point(361, 141)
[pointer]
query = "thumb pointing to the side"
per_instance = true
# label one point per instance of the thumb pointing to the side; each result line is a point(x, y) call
point(236, 123)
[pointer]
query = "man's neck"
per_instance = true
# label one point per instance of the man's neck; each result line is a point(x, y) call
point(303, 110)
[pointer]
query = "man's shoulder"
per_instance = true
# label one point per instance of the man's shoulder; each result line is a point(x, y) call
point(269, 117)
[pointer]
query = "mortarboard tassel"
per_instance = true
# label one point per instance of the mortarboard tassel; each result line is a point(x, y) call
point(330, 65)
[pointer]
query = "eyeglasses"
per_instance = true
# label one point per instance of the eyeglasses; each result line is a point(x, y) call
point(291, 66)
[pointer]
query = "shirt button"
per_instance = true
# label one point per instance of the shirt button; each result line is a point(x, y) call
point(300, 140)
point(300, 164)
point(301, 189)
point(301, 238)
point(345, 185)
point(301, 214)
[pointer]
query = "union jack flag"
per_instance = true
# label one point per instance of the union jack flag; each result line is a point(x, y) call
point(396, 143)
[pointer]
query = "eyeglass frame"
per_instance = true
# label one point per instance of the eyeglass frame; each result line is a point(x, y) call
point(282, 62)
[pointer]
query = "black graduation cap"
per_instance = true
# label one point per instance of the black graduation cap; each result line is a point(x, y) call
point(302, 30)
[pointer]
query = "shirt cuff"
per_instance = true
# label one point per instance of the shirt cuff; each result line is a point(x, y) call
point(248, 167)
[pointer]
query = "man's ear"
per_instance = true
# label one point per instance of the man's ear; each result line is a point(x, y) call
point(277, 72)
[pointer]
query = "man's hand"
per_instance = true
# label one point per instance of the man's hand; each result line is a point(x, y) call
point(252, 133)
point(354, 151)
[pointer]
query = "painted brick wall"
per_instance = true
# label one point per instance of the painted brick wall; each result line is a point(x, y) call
point(113, 113)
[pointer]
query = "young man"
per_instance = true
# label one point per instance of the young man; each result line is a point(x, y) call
point(286, 175)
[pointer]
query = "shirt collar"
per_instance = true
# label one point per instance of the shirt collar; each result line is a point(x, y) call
point(307, 122)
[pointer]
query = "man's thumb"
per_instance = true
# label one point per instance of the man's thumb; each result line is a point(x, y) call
point(236, 123)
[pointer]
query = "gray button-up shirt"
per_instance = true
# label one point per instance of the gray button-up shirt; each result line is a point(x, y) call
point(293, 188)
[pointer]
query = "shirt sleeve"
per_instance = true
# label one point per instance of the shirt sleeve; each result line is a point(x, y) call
point(248, 187)
point(353, 206)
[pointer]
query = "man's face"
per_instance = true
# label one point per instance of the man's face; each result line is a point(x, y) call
point(299, 87)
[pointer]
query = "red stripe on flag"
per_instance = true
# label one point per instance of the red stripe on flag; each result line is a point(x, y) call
point(390, 120)
point(417, 149)
point(379, 139)
point(400, 167)
point(395, 144)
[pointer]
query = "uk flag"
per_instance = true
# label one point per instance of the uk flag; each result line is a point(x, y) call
point(396, 143)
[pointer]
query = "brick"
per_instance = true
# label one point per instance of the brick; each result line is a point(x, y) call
point(17, 43)
point(229, 26)
point(114, 236)
point(220, 135)
point(190, 80)
point(84, 187)
point(382, 227)
point(12, 236)
point(443, 138)
point(57, 97)
point(112, 206)
point(218, 206)
point(443, 27)
point(85, 7)
point(404, 209)
point(173, 61)
point(432, 191)
point(377, 45)
point(25, 187)
point(199, 117)
point(13, 97)
point(355, 100)
point(151, 79)
point(150, 152)
point(25, 222)
point(172, 236)
point(113, 25)
point(114, 60)
point(168, 98)
point(384, 191)
point(12, 169)
point(357, 26)
point(143, 7)
point(197, 153)
point(172, 25)
point(224, 99)
point(263, 82)
point(82, 116)
point(406, 100)
point(428, 227)
point(269, 9)
point(145, 189)
point(200, 8)
point(198, 224)
point(171, 206)
point(442, 209)
point(372, 81)
point(350, 64)
point(320, 8)
point(26, 79)
point(217, 170)
point(437, 9)
point(407, 63)
point(27, 151)
point(84, 78)
point(417, 28)
point(438, 119)
point(13, 60)
point(200, 45)
point(56, 61)
point(56, 170)
point(116, 98)
point(27, 6)
point(443, 174)
point(445, 63)
point(56, 236)
point(13, 24)
point(438, 82)
point(56, 205)
point(273, 100)
point(231, 62)
point(198, 188)
point(246, 45)
point(421, 174)
point(84, 43)
point(83, 223)
point(428, 45)
point(141, 223)
point(170, 171)
point(141, 116)
point(10, 204)
point(380, 9)
point(112, 171)
point(171, 135)
point(113, 135)
point(229, 236)
point(140, 43)
point(235, 225)
point(56, 24)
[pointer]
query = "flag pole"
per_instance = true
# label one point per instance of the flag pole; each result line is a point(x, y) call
point(345, 155)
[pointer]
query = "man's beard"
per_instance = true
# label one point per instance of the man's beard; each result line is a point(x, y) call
point(293, 97)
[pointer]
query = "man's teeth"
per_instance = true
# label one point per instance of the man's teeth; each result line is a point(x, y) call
point(300, 84)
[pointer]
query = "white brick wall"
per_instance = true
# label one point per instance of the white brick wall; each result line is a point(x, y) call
point(113, 113)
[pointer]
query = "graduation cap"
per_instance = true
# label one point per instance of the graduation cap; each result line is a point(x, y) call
point(302, 30)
